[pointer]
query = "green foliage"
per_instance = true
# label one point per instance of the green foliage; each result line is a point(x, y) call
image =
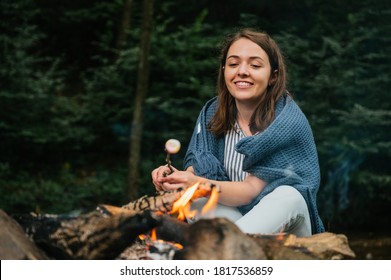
point(20, 193)
point(41, 126)
point(35, 115)
point(182, 81)
point(340, 79)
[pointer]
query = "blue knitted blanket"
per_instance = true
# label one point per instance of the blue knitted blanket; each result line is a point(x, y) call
point(283, 154)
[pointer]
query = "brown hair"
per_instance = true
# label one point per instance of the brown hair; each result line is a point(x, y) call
point(224, 118)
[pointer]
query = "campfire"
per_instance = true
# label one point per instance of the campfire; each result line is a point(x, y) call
point(156, 227)
point(159, 249)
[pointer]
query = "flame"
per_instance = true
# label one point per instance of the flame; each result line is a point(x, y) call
point(182, 208)
point(212, 201)
point(280, 236)
point(142, 236)
point(153, 234)
point(178, 246)
point(182, 205)
point(185, 198)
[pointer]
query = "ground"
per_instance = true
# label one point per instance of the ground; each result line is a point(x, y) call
point(370, 245)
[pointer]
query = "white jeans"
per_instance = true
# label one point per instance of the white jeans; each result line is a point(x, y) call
point(282, 210)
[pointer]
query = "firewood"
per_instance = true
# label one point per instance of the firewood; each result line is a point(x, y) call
point(107, 233)
point(325, 245)
point(218, 239)
point(89, 236)
point(14, 243)
point(172, 229)
point(221, 239)
point(160, 202)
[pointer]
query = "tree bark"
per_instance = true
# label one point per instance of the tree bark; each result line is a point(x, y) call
point(141, 92)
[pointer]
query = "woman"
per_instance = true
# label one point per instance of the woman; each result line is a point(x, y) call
point(254, 142)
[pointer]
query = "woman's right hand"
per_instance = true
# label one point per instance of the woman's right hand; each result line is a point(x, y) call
point(158, 174)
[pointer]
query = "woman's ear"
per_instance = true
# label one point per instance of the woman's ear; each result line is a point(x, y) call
point(273, 77)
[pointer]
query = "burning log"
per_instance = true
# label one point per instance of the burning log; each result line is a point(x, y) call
point(88, 236)
point(109, 232)
point(172, 229)
point(220, 239)
point(162, 202)
point(105, 233)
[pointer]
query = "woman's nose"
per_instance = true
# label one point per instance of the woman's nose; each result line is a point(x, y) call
point(243, 70)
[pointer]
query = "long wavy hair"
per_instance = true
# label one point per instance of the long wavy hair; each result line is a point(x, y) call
point(225, 117)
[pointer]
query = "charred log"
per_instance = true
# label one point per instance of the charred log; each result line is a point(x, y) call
point(88, 236)
point(172, 229)
point(220, 239)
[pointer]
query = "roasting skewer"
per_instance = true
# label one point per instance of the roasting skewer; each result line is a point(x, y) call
point(172, 147)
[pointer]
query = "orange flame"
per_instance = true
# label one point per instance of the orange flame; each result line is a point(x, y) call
point(280, 236)
point(178, 246)
point(182, 205)
point(182, 208)
point(212, 201)
point(153, 234)
point(142, 236)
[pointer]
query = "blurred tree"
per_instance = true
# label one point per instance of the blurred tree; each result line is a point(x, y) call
point(124, 27)
point(136, 129)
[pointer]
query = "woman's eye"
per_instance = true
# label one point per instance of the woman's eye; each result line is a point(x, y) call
point(232, 64)
point(256, 65)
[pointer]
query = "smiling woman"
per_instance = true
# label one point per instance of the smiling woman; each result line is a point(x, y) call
point(255, 143)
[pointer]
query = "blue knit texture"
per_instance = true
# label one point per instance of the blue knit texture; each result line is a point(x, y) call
point(283, 154)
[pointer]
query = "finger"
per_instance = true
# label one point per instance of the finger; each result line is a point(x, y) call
point(155, 179)
point(158, 173)
point(158, 186)
point(172, 178)
point(162, 173)
point(154, 176)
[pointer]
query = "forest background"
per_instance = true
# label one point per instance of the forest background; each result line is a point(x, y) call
point(91, 90)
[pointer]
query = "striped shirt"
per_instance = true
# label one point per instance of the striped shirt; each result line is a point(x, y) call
point(233, 161)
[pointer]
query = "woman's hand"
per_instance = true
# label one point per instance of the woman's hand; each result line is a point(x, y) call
point(158, 174)
point(179, 179)
point(173, 181)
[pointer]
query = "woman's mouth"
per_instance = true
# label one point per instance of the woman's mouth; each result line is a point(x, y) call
point(243, 84)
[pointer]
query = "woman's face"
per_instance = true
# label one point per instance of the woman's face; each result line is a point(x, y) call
point(247, 71)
